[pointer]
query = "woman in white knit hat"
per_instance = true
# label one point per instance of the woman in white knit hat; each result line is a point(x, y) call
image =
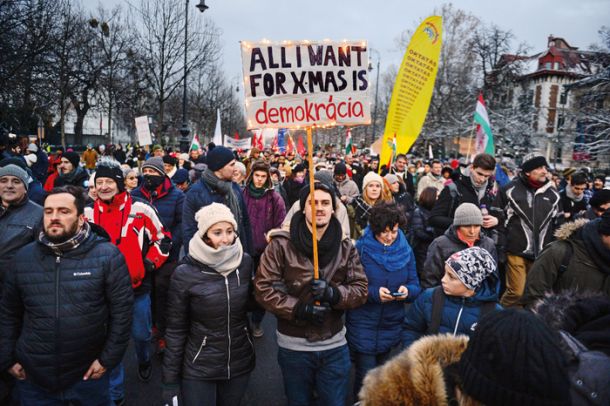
point(209, 353)
point(374, 190)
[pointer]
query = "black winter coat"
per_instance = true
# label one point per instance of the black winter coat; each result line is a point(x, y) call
point(441, 215)
point(207, 333)
point(60, 313)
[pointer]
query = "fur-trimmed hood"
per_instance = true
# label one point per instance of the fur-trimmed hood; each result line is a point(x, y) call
point(569, 229)
point(415, 376)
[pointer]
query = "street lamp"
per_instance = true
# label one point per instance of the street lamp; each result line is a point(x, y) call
point(376, 93)
point(185, 130)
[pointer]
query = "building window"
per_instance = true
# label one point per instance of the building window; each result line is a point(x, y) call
point(547, 66)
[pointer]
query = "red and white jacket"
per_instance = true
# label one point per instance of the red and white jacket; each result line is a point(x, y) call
point(135, 228)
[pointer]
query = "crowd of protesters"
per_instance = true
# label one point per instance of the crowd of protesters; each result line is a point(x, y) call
point(438, 279)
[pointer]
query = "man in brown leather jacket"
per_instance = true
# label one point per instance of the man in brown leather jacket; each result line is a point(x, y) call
point(313, 352)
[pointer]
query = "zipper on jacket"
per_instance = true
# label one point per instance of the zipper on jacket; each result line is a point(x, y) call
point(228, 327)
point(57, 343)
point(459, 316)
point(238, 280)
point(248, 336)
point(205, 339)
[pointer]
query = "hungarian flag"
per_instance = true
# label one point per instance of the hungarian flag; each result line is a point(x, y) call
point(393, 154)
point(349, 146)
point(195, 145)
point(301, 146)
point(485, 139)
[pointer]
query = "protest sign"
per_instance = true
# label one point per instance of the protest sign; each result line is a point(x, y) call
point(143, 130)
point(233, 143)
point(412, 90)
point(304, 83)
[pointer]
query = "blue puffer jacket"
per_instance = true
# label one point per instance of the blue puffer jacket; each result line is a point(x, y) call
point(461, 311)
point(375, 327)
point(201, 195)
point(168, 200)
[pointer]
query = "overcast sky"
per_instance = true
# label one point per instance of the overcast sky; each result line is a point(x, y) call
point(380, 22)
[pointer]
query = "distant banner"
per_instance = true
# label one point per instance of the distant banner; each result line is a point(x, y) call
point(143, 130)
point(301, 84)
point(413, 89)
point(244, 143)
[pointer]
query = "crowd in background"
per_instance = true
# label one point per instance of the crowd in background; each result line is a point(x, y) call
point(465, 264)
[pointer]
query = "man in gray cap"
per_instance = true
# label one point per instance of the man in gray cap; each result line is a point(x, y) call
point(19, 212)
point(529, 211)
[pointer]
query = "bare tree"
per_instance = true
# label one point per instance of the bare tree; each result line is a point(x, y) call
point(160, 38)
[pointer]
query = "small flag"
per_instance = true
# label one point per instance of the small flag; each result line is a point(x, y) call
point(430, 154)
point(289, 145)
point(301, 146)
point(195, 144)
point(485, 138)
point(281, 139)
point(217, 140)
point(393, 154)
point(349, 147)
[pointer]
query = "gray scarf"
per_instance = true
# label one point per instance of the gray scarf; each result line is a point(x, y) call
point(479, 189)
point(223, 260)
point(225, 189)
point(572, 196)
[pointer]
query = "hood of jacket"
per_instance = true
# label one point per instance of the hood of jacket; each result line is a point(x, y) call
point(416, 375)
point(391, 258)
point(569, 229)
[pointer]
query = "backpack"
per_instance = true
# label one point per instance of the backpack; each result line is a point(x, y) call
point(438, 301)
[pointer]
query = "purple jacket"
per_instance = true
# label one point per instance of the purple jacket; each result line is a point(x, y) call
point(265, 213)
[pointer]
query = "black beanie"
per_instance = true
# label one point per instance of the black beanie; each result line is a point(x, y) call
point(218, 157)
point(513, 358)
point(600, 198)
point(113, 172)
point(533, 163)
point(340, 169)
point(304, 193)
point(604, 224)
point(73, 157)
point(170, 160)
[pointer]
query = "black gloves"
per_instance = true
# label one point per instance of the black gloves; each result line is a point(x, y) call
point(311, 312)
point(168, 393)
point(324, 293)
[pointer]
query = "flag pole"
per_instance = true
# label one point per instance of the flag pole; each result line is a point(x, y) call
point(314, 230)
point(470, 143)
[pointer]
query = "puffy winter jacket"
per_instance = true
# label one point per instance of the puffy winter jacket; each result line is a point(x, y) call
point(442, 248)
point(375, 327)
point(528, 217)
point(60, 313)
point(421, 235)
point(18, 226)
point(459, 315)
point(207, 328)
point(266, 213)
point(79, 177)
point(168, 200)
point(201, 195)
point(588, 263)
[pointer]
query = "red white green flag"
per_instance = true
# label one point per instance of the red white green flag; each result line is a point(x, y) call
point(485, 138)
point(195, 145)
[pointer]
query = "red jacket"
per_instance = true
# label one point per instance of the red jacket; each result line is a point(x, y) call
point(134, 227)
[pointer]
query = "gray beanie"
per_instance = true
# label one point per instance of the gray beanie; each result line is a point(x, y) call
point(467, 214)
point(14, 170)
point(155, 163)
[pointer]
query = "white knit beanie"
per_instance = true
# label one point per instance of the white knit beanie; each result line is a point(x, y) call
point(371, 177)
point(211, 214)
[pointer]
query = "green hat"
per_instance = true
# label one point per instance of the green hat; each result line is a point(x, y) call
point(157, 147)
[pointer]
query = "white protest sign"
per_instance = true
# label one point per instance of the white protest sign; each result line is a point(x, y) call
point(304, 83)
point(143, 130)
point(233, 143)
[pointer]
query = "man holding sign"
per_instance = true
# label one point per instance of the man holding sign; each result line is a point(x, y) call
point(313, 352)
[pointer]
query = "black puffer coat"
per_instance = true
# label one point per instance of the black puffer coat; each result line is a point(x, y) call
point(207, 328)
point(60, 313)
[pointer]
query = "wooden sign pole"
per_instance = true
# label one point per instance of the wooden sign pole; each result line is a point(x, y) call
point(314, 231)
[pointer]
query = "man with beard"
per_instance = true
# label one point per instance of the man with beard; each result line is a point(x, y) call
point(70, 171)
point(313, 352)
point(216, 185)
point(135, 228)
point(529, 211)
point(158, 190)
point(66, 310)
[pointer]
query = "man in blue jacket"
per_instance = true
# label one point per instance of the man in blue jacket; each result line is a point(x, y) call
point(65, 315)
point(216, 185)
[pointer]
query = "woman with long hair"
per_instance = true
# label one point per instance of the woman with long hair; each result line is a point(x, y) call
point(374, 190)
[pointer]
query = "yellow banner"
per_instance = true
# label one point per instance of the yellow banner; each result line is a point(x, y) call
point(413, 89)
